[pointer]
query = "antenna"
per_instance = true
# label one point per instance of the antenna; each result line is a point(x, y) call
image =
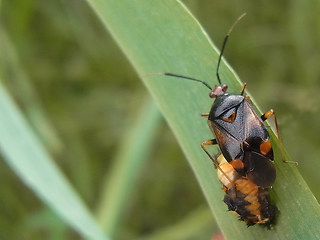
point(224, 44)
point(189, 78)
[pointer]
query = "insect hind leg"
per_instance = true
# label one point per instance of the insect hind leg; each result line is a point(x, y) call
point(265, 117)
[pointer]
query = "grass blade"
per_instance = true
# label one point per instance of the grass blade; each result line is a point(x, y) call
point(21, 87)
point(27, 157)
point(159, 36)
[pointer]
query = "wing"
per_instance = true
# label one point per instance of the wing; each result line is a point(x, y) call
point(254, 126)
point(260, 169)
point(230, 147)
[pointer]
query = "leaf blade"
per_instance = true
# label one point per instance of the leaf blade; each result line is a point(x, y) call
point(26, 156)
point(163, 37)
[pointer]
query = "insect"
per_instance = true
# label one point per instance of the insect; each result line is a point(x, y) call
point(240, 132)
point(248, 200)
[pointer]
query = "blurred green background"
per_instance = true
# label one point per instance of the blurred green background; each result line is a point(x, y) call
point(81, 95)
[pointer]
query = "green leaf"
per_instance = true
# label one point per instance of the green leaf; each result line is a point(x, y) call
point(27, 157)
point(162, 36)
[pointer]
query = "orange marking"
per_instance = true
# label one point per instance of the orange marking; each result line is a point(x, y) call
point(269, 113)
point(250, 190)
point(231, 118)
point(265, 147)
point(237, 164)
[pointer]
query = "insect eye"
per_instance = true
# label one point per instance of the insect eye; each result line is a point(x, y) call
point(229, 116)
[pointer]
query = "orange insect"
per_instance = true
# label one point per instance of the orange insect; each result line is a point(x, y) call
point(243, 197)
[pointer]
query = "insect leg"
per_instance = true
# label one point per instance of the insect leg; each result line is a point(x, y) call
point(248, 99)
point(204, 114)
point(265, 117)
point(208, 143)
point(243, 88)
point(215, 162)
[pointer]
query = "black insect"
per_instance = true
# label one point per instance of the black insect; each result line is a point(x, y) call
point(240, 131)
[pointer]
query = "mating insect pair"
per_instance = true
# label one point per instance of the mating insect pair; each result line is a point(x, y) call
point(244, 142)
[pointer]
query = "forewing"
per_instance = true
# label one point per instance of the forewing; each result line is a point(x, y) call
point(260, 169)
point(254, 126)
